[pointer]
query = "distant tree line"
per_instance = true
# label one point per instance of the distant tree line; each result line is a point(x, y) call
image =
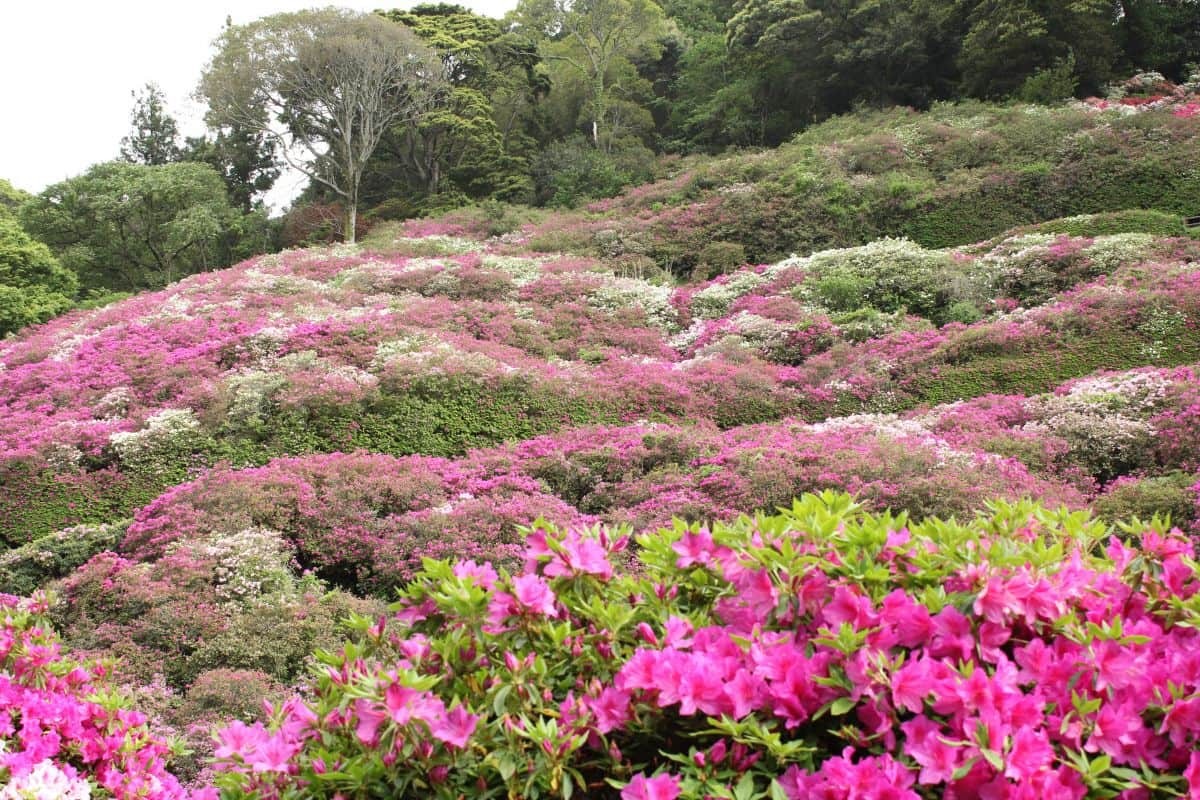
point(566, 100)
point(406, 112)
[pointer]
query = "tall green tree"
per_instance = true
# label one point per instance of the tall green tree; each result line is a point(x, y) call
point(33, 285)
point(155, 136)
point(11, 198)
point(1008, 41)
point(245, 159)
point(1159, 35)
point(466, 144)
point(595, 38)
point(127, 227)
point(325, 86)
point(811, 58)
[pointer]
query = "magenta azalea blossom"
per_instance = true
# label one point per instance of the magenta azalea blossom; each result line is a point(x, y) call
point(453, 727)
point(1030, 754)
point(660, 787)
point(534, 595)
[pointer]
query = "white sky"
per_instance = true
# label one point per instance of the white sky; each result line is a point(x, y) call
point(67, 70)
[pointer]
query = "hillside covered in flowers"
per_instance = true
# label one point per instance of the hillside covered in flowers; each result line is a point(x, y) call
point(894, 513)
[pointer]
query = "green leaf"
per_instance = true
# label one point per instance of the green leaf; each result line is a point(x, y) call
point(745, 787)
point(841, 706)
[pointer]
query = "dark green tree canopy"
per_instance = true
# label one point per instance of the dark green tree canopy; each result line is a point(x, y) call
point(640, 77)
point(127, 227)
point(34, 286)
point(474, 142)
point(245, 159)
point(595, 40)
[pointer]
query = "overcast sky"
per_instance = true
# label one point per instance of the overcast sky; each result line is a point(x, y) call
point(67, 70)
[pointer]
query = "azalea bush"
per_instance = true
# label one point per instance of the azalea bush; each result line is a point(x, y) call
point(824, 652)
point(342, 349)
point(223, 601)
point(365, 521)
point(64, 732)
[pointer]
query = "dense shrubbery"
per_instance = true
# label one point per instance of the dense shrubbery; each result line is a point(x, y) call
point(33, 286)
point(366, 521)
point(324, 351)
point(820, 653)
point(957, 174)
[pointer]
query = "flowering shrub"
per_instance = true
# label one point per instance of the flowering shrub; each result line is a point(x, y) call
point(823, 652)
point(26, 568)
point(227, 600)
point(1149, 91)
point(365, 522)
point(64, 735)
point(340, 349)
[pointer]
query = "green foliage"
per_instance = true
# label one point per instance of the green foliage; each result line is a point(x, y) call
point(1160, 35)
point(29, 306)
point(1007, 43)
point(326, 85)
point(31, 566)
point(11, 198)
point(245, 159)
point(1170, 495)
point(1156, 223)
point(276, 635)
point(893, 275)
point(718, 258)
point(132, 226)
point(1051, 84)
point(155, 135)
point(572, 171)
point(1001, 370)
point(880, 52)
point(597, 43)
point(34, 286)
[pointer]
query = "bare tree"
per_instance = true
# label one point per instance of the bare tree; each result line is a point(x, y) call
point(324, 85)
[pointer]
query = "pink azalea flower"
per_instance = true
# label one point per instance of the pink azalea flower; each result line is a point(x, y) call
point(369, 719)
point(583, 556)
point(911, 684)
point(1192, 774)
point(931, 749)
point(660, 787)
point(534, 594)
point(1116, 730)
point(454, 727)
point(484, 576)
point(239, 739)
point(273, 755)
point(697, 548)
point(611, 709)
point(401, 703)
point(744, 692)
point(909, 618)
point(1030, 754)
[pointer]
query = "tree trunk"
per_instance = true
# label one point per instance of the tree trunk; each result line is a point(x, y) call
point(597, 107)
point(351, 221)
point(350, 235)
point(435, 178)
